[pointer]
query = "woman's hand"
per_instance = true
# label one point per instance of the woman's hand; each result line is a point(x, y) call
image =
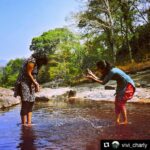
point(94, 77)
point(89, 76)
point(90, 72)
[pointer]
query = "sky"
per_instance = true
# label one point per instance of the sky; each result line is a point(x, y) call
point(21, 20)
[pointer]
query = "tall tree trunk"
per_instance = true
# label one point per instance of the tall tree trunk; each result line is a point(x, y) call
point(113, 45)
point(127, 40)
point(125, 8)
point(128, 46)
point(112, 35)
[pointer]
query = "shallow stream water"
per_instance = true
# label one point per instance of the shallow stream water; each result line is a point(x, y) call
point(59, 125)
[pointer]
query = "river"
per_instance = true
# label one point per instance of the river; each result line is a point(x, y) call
point(59, 125)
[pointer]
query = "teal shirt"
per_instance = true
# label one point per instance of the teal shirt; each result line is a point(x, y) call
point(121, 78)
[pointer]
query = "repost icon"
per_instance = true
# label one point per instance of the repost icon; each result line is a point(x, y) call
point(106, 144)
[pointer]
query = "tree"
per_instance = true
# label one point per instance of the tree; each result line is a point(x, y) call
point(132, 16)
point(48, 41)
point(63, 48)
point(10, 72)
point(115, 20)
point(98, 18)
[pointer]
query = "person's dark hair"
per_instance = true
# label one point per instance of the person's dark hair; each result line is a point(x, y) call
point(41, 59)
point(104, 65)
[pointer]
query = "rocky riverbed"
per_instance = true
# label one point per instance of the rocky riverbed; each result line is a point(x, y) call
point(87, 91)
point(90, 92)
point(95, 91)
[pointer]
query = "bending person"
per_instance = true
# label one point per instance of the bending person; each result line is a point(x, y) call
point(125, 86)
point(26, 85)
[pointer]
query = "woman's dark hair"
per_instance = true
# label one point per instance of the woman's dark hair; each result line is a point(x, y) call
point(41, 59)
point(104, 65)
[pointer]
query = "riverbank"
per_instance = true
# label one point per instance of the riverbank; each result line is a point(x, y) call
point(7, 99)
point(94, 91)
point(91, 91)
point(85, 92)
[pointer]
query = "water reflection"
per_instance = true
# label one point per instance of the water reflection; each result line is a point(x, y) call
point(27, 139)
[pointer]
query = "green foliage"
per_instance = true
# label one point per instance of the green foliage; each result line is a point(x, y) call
point(140, 43)
point(1, 75)
point(65, 53)
point(48, 41)
point(43, 75)
point(9, 74)
point(98, 20)
point(114, 23)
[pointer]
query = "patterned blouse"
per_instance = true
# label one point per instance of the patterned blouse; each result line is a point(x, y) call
point(24, 86)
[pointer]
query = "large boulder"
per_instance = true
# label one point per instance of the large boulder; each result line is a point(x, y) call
point(47, 94)
point(7, 99)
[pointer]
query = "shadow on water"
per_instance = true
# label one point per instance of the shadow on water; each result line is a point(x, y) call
point(76, 126)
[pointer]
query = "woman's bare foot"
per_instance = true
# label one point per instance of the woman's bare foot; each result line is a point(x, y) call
point(117, 122)
point(24, 125)
point(30, 124)
point(123, 123)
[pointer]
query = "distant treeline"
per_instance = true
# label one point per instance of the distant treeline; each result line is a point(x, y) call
point(117, 30)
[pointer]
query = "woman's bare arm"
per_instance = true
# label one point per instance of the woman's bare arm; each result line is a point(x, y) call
point(95, 79)
point(30, 67)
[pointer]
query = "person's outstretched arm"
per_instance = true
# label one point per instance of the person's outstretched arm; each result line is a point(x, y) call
point(95, 79)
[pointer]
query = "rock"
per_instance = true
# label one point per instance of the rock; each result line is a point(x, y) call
point(107, 87)
point(72, 93)
point(54, 84)
point(47, 94)
point(43, 98)
point(72, 100)
point(138, 84)
point(7, 99)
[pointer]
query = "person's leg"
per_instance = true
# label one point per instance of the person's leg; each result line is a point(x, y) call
point(23, 113)
point(117, 111)
point(118, 118)
point(124, 114)
point(29, 114)
point(23, 119)
point(29, 118)
point(127, 96)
